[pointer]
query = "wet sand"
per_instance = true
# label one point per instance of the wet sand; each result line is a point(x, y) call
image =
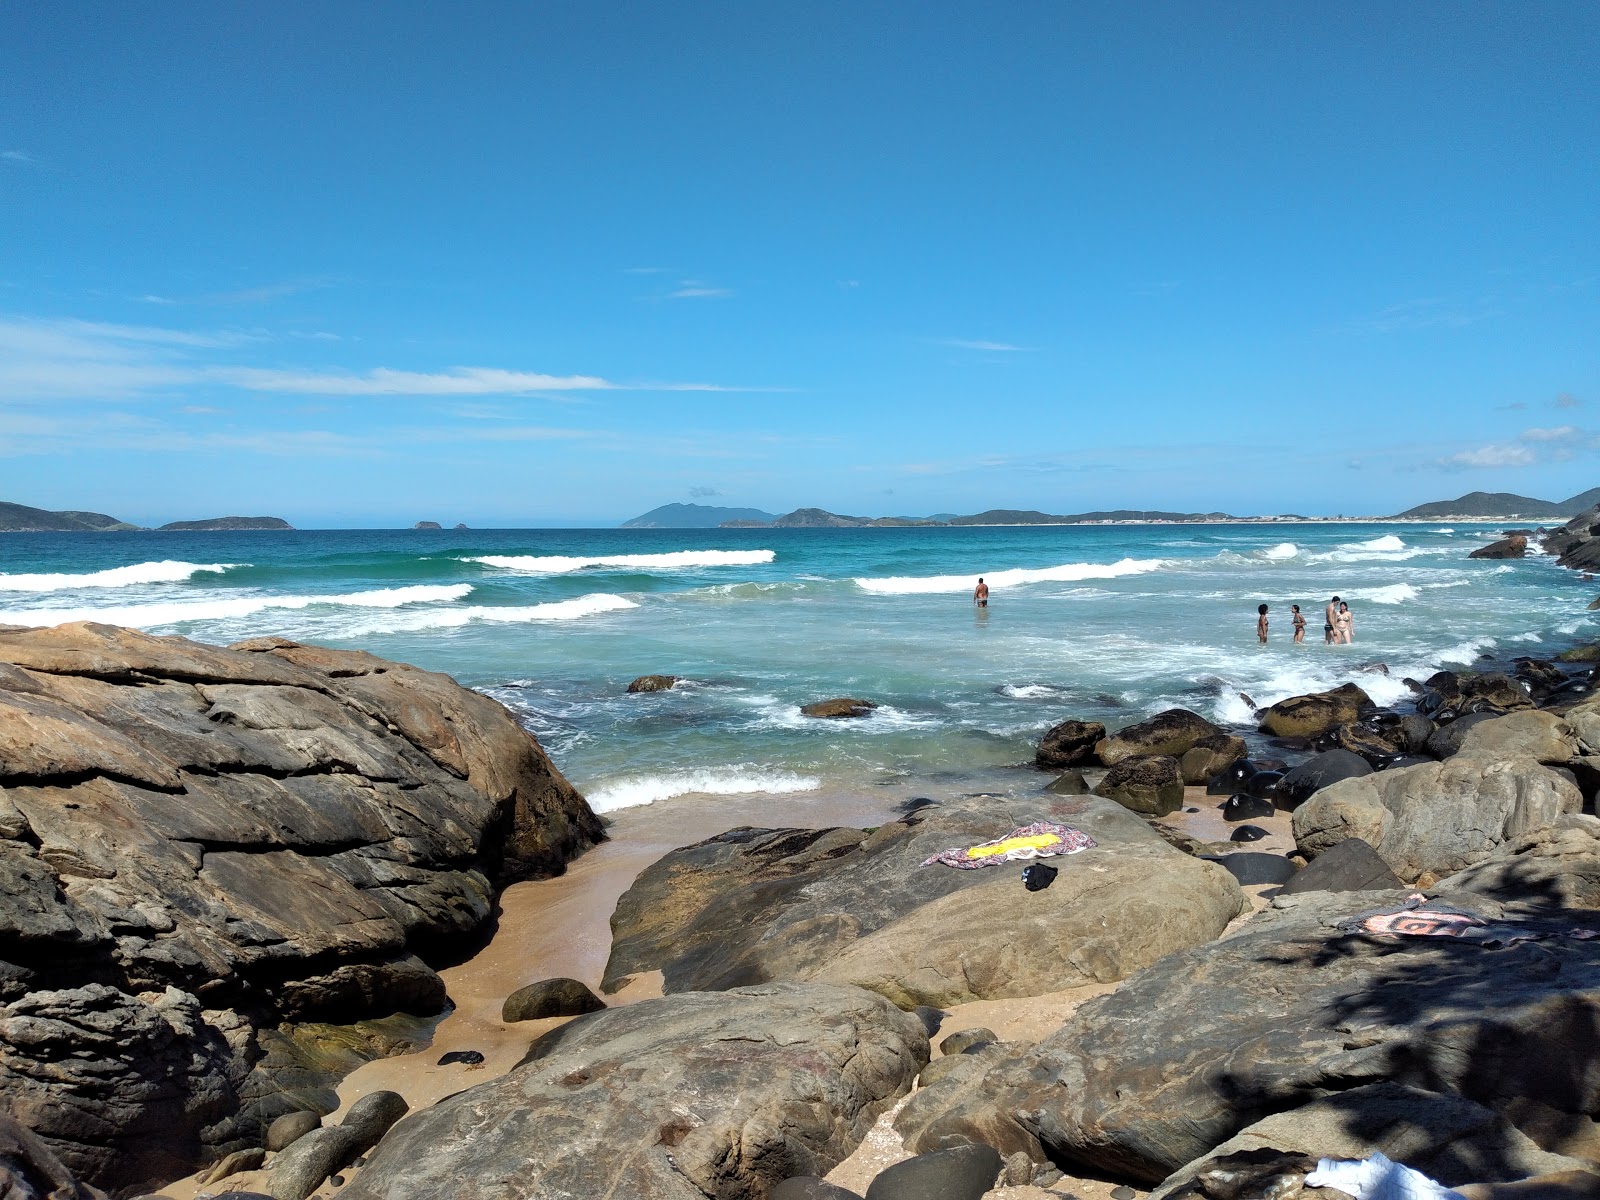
point(561, 927)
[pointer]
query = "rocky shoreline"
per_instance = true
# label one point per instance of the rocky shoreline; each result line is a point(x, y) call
point(1200, 1000)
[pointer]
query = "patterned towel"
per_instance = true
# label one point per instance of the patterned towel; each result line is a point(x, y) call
point(1421, 917)
point(1039, 840)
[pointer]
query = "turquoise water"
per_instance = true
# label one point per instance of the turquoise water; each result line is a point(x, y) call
point(1106, 623)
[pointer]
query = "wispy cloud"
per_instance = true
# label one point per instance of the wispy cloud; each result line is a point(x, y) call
point(978, 344)
point(645, 270)
point(1561, 433)
point(1433, 312)
point(693, 289)
point(268, 292)
point(383, 381)
point(1501, 455)
point(703, 493)
point(1566, 400)
point(18, 156)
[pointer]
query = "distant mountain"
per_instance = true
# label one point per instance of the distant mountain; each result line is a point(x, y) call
point(19, 518)
point(1502, 505)
point(225, 523)
point(696, 516)
point(1027, 516)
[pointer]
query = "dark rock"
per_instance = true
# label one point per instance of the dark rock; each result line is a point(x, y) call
point(1247, 808)
point(235, 1163)
point(29, 1169)
point(1247, 833)
point(1327, 768)
point(470, 1058)
point(1123, 1192)
point(1446, 740)
point(810, 1187)
point(1038, 876)
point(957, 1042)
point(290, 1127)
point(1307, 716)
point(1539, 675)
point(1069, 744)
point(837, 709)
point(856, 907)
point(653, 683)
point(1250, 867)
point(1493, 691)
point(1361, 738)
point(1581, 654)
point(1169, 734)
point(1152, 785)
point(706, 1094)
point(550, 998)
point(1347, 866)
point(1068, 783)
point(1510, 547)
point(1264, 785)
point(1209, 756)
point(1231, 778)
point(930, 1017)
point(1400, 760)
point(959, 1173)
point(300, 1170)
point(1293, 1011)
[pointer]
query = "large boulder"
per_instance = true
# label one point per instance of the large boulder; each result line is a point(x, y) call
point(257, 834)
point(1211, 755)
point(652, 683)
point(1436, 818)
point(841, 708)
point(1514, 546)
point(1446, 740)
point(1557, 866)
point(1148, 784)
point(1170, 733)
point(29, 1169)
point(1286, 1011)
point(1301, 783)
point(1319, 712)
point(1541, 736)
point(1069, 744)
point(704, 1094)
point(851, 906)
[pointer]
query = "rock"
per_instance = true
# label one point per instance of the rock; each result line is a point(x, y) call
point(198, 843)
point(29, 1169)
point(1282, 1013)
point(1436, 818)
point(959, 1173)
point(856, 907)
point(1347, 866)
point(1408, 732)
point(1168, 734)
point(1068, 783)
point(1251, 867)
point(1247, 808)
point(653, 683)
point(704, 1094)
point(1449, 1139)
point(810, 1187)
point(1446, 740)
point(1360, 738)
point(930, 1017)
point(470, 1058)
point(1307, 716)
point(1539, 675)
point(1510, 547)
point(1124, 1192)
point(840, 708)
point(300, 1169)
point(1151, 784)
point(1247, 833)
point(1209, 756)
point(1581, 654)
point(233, 1164)
point(427, 525)
point(1231, 778)
point(1069, 744)
point(1264, 785)
point(1493, 692)
point(1541, 736)
point(550, 998)
point(958, 1042)
point(290, 1128)
point(1554, 867)
point(1310, 777)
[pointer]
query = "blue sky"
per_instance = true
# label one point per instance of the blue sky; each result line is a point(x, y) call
point(361, 264)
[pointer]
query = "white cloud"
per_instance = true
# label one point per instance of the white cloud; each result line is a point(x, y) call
point(692, 289)
point(969, 344)
point(1488, 456)
point(1561, 433)
point(382, 381)
point(18, 156)
point(702, 493)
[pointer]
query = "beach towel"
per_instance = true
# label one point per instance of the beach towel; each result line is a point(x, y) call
point(1039, 840)
point(1421, 917)
point(1377, 1178)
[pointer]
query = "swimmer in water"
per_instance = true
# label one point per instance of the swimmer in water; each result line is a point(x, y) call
point(980, 594)
point(1261, 625)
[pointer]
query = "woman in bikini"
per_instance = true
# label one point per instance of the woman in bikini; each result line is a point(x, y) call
point(1346, 625)
point(1261, 624)
point(1299, 623)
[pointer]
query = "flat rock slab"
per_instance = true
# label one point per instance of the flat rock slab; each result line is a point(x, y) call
point(705, 1094)
point(1209, 1040)
point(852, 906)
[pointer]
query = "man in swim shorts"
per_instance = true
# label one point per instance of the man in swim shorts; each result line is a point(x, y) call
point(980, 594)
point(1330, 618)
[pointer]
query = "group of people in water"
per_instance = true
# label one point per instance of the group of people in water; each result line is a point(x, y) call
point(1338, 625)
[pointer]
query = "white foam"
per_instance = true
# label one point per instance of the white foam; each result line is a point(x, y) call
point(678, 560)
point(503, 614)
point(146, 616)
point(166, 571)
point(1387, 542)
point(1445, 530)
point(1031, 691)
point(1280, 552)
point(900, 585)
point(715, 781)
point(1395, 593)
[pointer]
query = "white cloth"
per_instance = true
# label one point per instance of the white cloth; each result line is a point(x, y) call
point(1377, 1178)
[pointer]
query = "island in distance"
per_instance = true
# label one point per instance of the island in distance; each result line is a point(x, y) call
point(19, 518)
point(1472, 506)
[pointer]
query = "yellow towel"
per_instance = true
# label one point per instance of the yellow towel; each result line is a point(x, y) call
point(1037, 842)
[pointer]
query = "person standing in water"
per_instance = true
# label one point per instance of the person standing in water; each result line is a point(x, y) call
point(1261, 625)
point(980, 594)
point(1299, 624)
point(1330, 621)
point(1346, 624)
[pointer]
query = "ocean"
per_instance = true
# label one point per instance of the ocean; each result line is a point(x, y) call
point(1105, 623)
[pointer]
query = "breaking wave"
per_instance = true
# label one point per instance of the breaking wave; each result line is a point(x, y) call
point(502, 614)
point(166, 571)
point(714, 781)
point(901, 585)
point(1395, 593)
point(678, 560)
point(176, 612)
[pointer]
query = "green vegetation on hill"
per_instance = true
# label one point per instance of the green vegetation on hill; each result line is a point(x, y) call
point(19, 518)
point(227, 523)
point(1502, 504)
point(697, 516)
